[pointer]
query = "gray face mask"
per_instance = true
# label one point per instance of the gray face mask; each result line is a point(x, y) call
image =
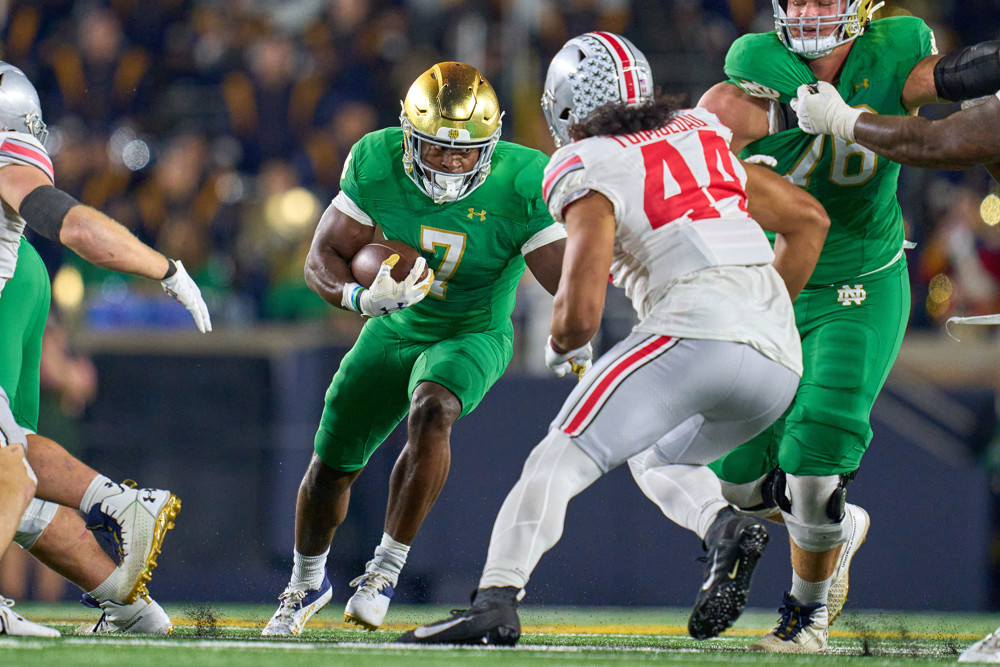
point(20, 109)
point(802, 34)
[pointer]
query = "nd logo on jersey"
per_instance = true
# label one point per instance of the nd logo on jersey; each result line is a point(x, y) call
point(847, 295)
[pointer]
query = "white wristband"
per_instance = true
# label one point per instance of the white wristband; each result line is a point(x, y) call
point(843, 124)
point(351, 297)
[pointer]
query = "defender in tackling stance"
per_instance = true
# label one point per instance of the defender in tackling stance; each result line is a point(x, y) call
point(652, 194)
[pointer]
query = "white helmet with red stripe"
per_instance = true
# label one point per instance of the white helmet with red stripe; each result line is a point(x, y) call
point(20, 109)
point(590, 71)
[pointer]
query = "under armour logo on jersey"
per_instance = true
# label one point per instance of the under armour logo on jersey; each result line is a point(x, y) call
point(847, 295)
point(864, 84)
point(481, 214)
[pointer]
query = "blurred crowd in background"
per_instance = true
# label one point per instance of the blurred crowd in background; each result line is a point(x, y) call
point(216, 129)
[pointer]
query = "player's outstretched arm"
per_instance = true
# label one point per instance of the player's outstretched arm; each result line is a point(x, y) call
point(337, 239)
point(95, 237)
point(965, 138)
point(796, 216)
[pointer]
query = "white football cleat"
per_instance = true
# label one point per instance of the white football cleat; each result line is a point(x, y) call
point(144, 616)
point(295, 607)
point(985, 650)
point(138, 519)
point(368, 606)
point(860, 522)
point(802, 628)
point(13, 624)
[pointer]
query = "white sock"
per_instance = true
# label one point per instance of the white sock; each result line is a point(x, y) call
point(308, 571)
point(390, 557)
point(106, 589)
point(531, 519)
point(808, 592)
point(100, 488)
point(688, 495)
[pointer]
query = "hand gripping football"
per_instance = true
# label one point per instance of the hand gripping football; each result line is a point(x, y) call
point(366, 262)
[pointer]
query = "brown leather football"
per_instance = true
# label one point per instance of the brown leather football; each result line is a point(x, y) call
point(366, 262)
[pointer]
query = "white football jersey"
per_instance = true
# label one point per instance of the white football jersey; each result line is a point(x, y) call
point(687, 253)
point(23, 149)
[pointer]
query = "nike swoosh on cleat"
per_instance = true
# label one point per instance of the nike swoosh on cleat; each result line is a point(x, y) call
point(736, 567)
point(428, 630)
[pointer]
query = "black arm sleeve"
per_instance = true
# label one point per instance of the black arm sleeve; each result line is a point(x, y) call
point(44, 208)
point(970, 72)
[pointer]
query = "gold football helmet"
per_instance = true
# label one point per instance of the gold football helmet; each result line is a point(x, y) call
point(450, 105)
point(801, 34)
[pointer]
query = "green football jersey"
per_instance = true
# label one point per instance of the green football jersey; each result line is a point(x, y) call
point(473, 245)
point(857, 187)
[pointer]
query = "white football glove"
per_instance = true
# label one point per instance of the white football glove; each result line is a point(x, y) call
point(181, 287)
point(821, 110)
point(762, 160)
point(387, 296)
point(562, 362)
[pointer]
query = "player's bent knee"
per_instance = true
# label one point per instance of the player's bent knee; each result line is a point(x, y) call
point(748, 496)
point(433, 409)
point(35, 519)
point(16, 472)
point(816, 520)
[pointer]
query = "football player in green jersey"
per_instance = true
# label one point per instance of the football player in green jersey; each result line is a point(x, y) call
point(971, 136)
point(853, 311)
point(443, 183)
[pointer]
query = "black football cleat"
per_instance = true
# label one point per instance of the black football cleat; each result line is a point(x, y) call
point(491, 621)
point(735, 542)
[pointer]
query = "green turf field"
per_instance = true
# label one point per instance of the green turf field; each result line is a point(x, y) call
point(222, 635)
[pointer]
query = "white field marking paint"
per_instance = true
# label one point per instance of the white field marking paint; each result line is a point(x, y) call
point(398, 648)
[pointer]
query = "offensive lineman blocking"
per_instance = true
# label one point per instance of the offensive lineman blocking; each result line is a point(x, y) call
point(653, 195)
point(853, 312)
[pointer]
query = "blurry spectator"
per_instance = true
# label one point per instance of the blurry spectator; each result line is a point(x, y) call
point(278, 225)
point(270, 106)
point(961, 263)
point(100, 76)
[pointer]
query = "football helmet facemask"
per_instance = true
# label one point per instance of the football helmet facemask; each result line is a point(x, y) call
point(20, 109)
point(450, 105)
point(802, 34)
point(592, 70)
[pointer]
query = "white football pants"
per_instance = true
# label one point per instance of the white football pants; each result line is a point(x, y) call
point(694, 400)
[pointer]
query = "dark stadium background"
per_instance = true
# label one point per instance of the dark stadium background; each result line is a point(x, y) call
point(216, 132)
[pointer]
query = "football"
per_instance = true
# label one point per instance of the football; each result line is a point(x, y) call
point(366, 262)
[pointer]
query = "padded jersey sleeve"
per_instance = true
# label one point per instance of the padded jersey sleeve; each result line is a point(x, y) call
point(351, 198)
point(571, 175)
point(763, 67)
point(350, 208)
point(24, 149)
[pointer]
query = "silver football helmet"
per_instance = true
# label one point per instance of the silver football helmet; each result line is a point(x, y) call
point(592, 70)
point(802, 34)
point(20, 109)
